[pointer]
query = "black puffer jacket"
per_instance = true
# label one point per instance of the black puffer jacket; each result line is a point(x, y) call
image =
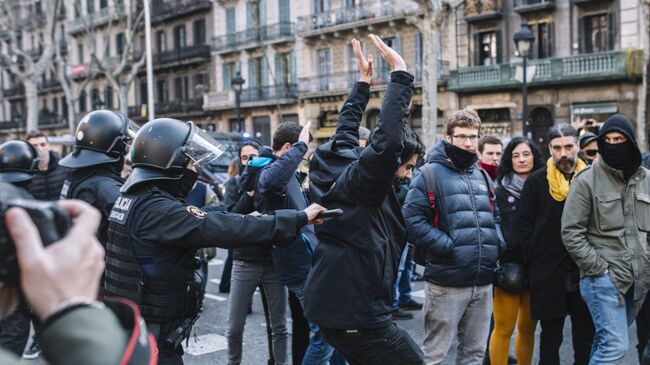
point(355, 263)
point(463, 250)
point(46, 185)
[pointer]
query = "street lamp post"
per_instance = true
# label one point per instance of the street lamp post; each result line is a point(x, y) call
point(524, 40)
point(237, 83)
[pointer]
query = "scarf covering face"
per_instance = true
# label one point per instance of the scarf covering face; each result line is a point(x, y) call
point(558, 185)
point(514, 184)
point(460, 157)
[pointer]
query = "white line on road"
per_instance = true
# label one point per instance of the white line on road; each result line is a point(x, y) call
point(216, 281)
point(215, 297)
point(215, 262)
point(206, 344)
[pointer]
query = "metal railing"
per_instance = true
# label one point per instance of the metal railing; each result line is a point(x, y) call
point(162, 9)
point(48, 85)
point(179, 106)
point(267, 93)
point(263, 33)
point(51, 120)
point(97, 18)
point(584, 67)
point(16, 90)
point(11, 125)
point(525, 3)
point(183, 53)
point(342, 15)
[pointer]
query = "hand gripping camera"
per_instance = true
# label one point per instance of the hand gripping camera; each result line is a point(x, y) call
point(52, 222)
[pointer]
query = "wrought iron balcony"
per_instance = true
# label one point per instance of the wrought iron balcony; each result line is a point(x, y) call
point(343, 18)
point(51, 120)
point(266, 34)
point(14, 91)
point(477, 10)
point(199, 53)
point(526, 6)
point(162, 10)
point(266, 93)
point(12, 125)
point(49, 85)
point(251, 97)
point(97, 18)
point(584, 68)
point(179, 106)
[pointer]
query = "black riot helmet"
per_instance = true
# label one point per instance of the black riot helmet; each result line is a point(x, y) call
point(18, 161)
point(163, 148)
point(102, 137)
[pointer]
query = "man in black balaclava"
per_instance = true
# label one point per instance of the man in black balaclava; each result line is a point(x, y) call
point(605, 230)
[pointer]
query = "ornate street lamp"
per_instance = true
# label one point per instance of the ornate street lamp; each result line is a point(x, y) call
point(237, 83)
point(524, 40)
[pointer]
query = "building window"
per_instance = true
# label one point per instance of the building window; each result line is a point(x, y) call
point(161, 41)
point(231, 27)
point(181, 89)
point(179, 37)
point(284, 69)
point(77, 8)
point(94, 99)
point(82, 101)
point(320, 6)
point(199, 32)
point(103, 4)
point(203, 80)
point(119, 43)
point(80, 53)
point(543, 46)
point(597, 33)
point(161, 87)
point(229, 70)
point(324, 66)
point(90, 6)
point(64, 107)
point(143, 92)
point(382, 69)
point(487, 48)
point(108, 97)
point(285, 11)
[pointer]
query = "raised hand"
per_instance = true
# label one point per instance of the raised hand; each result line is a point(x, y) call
point(393, 58)
point(365, 65)
point(304, 133)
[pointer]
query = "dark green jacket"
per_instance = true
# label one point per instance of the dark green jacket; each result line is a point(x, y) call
point(606, 226)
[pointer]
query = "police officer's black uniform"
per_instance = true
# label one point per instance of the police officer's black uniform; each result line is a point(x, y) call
point(153, 234)
point(18, 164)
point(101, 139)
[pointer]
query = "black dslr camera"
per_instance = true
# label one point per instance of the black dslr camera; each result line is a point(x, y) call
point(53, 223)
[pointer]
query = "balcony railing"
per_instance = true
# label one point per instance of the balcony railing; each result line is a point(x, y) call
point(179, 106)
point(266, 33)
point(11, 125)
point(343, 81)
point(16, 90)
point(185, 53)
point(49, 85)
point(266, 93)
point(97, 18)
point(51, 120)
point(167, 9)
point(341, 16)
point(525, 6)
point(615, 65)
point(476, 10)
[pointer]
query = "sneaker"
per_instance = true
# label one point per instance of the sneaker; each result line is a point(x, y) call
point(512, 360)
point(411, 305)
point(33, 352)
point(400, 314)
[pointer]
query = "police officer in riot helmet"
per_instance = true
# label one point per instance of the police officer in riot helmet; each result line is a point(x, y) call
point(18, 164)
point(153, 233)
point(101, 141)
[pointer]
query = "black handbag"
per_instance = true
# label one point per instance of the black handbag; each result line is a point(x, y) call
point(511, 277)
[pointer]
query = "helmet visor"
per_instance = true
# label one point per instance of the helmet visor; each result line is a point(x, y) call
point(131, 130)
point(202, 148)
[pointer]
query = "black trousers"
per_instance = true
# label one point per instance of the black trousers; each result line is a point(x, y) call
point(299, 330)
point(582, 333)
point(387, 345)
point(224, 284)
point(643, 326)
point(14, 330)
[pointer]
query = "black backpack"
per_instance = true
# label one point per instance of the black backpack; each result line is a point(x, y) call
point(420, 252)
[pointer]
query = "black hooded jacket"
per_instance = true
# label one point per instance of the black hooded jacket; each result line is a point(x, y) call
point(355, 264)
point(46, 185)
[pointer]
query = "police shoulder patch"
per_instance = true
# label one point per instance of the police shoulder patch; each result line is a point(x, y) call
point(196, 211)
point(121, 209)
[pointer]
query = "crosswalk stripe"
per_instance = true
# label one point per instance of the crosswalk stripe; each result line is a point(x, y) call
point(215, 297)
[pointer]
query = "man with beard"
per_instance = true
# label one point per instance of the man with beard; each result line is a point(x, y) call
point(605, 229)
point(552, 275)
point(456, 226)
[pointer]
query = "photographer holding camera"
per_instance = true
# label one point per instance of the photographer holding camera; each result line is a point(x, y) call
point(60, 282)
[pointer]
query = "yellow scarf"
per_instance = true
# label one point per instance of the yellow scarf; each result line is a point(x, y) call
point(558, 185)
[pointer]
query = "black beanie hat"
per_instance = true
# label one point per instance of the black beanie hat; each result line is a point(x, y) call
point(619, 123)
point(586, 138)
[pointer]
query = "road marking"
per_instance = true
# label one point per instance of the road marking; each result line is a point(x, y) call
point(206, 344)
point(216, 281)
point(215, 297)
point(419, 294)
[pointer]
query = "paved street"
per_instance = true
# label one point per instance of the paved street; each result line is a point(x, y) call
point(209, 346)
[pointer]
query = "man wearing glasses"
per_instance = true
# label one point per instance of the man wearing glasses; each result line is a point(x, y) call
point(453, 220)
point(589, 148)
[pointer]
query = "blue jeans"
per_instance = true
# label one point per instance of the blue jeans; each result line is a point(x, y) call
point(402, 286)
point(318, 352)
point(611, 318)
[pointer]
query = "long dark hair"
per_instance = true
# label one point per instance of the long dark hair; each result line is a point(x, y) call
point(505, 168)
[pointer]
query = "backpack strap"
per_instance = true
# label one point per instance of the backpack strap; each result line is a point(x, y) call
point(430, 186)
